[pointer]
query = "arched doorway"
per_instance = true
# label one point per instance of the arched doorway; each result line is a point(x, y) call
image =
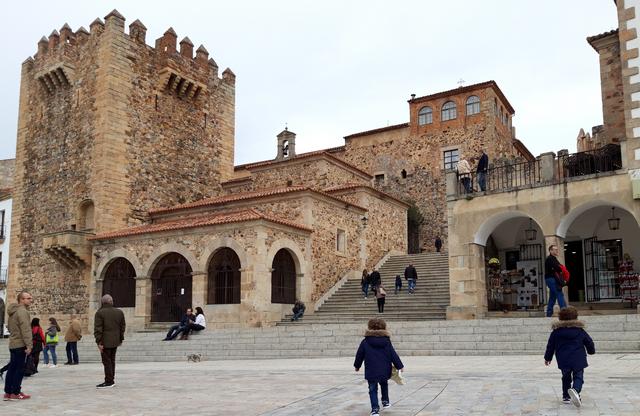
point(120, 282)
point(283, 278)
point(171, 288)
point(224, 278)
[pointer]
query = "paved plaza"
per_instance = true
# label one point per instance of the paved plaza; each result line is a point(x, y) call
point(508, 385)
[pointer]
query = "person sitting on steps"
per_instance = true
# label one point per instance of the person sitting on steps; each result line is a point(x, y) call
point(198, 325)
point(181, 326)
point(298, 310)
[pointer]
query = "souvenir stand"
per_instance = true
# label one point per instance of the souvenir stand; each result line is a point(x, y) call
point(628, 281)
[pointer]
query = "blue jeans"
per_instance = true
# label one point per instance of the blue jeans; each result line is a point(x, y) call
point(482, 181)
point(15, 372)
point(297, 315)
point(412, 285)
point(54, 357)
point(466, 183)
point(398, 287)
point(175, 330)
point(568, 375)
point(72, 352)
point(555, 292)
point(373, 393)
point(365, 289)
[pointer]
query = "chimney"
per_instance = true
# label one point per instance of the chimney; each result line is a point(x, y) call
point(186, 48)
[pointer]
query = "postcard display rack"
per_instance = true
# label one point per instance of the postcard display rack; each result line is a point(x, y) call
point(515, 289)
point(628, 280)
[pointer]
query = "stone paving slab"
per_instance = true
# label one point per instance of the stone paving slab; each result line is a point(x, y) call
point(447, 386)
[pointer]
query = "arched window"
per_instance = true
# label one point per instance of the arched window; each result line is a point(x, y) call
point(473, 105)
point(224, 278)
point(170, 288)
point(449, 111)
point(283, 278)
point(425, 116)
point(120, 282)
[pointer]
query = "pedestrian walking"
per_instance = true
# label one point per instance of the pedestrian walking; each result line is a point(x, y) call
point(464, 173)
point(552, 270)
point(364, 282)
point(20, 345)
point(570, 343)
point(481, 170)
point(378, 355)
point(108, 330)
point(438, 244)
point(411, 275)
point(375, 280)
point(381, 294)
point(71, 338)
point(38, 340)
point(51, 339)
point(398, 286)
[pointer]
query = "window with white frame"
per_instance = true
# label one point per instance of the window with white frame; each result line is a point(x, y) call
point(473, 105)
point(451, 158)
point(425, 116)
point(449, 111)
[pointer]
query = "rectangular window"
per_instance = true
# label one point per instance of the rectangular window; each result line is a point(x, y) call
point(451, 158)
point(2, 224)
point(341, 241)
point(379, 178)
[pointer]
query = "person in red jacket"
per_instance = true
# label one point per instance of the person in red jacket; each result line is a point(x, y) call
point(38, 341)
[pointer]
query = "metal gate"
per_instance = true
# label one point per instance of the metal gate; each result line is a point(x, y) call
point(592, 251)
point(534, 252)
point(283, 278)
point(171, 288)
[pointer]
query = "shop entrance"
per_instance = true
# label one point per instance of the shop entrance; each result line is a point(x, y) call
point(573, 258)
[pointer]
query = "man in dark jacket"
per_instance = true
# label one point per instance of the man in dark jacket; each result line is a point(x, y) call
point(481, 170)
point(298, 310)
point(378, 355)
point(438, 244)
point(109, 326)
point(181, 326)
point(375, 280)
point(411, 275)
point(20, 344)
point(551, 270)
point(571, 344)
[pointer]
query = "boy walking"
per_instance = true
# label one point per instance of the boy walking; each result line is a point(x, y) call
point(398, 284)
point(570, 343)
point(378, 355)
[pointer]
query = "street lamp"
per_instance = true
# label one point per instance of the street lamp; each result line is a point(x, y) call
point(614, 222)
point(530, 233)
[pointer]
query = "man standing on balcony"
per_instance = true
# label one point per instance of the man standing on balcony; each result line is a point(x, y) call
point(481, 170)
point(464, 173)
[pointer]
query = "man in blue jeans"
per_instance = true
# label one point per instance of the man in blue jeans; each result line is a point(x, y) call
point(551, 269)
point(20, 343)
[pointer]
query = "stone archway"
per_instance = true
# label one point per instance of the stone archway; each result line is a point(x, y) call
point(119, 281)
point(283, 278)
point(224, 277)
point(171, 287)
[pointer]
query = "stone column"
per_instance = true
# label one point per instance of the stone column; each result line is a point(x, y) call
point(143, 300)
point(548, 167)
point(557, 241)
point(256, 284)
point(467, 285)
point(198, 289)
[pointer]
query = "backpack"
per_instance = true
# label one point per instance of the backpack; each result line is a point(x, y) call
point(565, 273)
point(37, 342)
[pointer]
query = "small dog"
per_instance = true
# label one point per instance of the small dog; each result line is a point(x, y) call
point(196, 358)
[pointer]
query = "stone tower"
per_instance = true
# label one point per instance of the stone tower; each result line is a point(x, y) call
point(108, 128)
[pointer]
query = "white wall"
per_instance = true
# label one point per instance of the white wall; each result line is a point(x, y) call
point(4, 247)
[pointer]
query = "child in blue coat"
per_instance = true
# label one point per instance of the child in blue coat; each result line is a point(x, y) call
point(378, 355)
point(398, 284)
point(570, 343)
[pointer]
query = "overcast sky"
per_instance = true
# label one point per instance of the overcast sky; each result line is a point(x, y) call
point(332, 68)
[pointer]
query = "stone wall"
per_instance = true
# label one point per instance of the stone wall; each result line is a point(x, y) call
point(7, 169)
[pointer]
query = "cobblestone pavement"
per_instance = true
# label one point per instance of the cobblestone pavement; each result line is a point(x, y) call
point(510, 385)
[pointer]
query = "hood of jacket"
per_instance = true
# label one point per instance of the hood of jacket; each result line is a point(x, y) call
point(13, 308)
point(377, 338)
point(568, 324)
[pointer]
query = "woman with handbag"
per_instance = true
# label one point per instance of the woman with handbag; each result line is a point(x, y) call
point(51, 342)
point(38, 342)
point(380, 296)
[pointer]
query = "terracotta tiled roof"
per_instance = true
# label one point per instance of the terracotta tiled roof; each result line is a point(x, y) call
point(201, 221)
point(379, 130)
point(315, 152)
point(523, 150)
point(351, 186)
point(322, 153)
point(468, 88)
point(594, 38)
point(244, 196)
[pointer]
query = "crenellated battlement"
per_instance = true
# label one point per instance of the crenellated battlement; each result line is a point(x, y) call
point(65, 47)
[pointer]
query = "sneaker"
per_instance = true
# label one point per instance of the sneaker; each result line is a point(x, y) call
point(52, 366)
point(68, 363)
point(566, 400)
point(575, 398)
point(386, 405)
point(7, 397)
point(375, 413)
point(105, 385)
point(20, 396)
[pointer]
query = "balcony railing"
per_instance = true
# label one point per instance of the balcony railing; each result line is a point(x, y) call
point(604, 159)
point(501, 178)
point(545, 170)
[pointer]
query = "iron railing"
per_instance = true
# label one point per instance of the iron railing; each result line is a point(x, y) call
point(501, 178)
point(605, 159)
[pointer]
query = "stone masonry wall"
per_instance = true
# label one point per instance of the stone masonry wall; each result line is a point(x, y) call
point(7, 169)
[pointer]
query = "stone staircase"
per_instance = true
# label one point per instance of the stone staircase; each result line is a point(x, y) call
point(429, 302)
point(509, 336)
